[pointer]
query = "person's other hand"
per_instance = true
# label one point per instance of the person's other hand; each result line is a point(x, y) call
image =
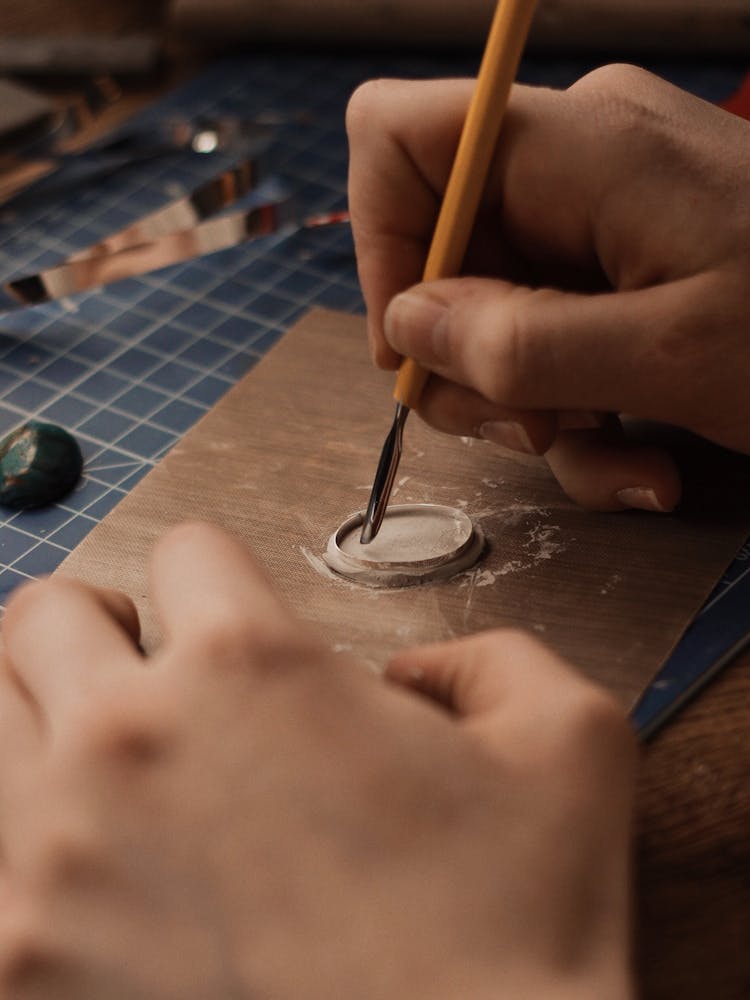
point(246, 815)
point(607, 274)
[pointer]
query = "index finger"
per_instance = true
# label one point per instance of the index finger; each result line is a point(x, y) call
point(65, 640)
point(206, 583)
point(402, 139)
point(517, 696)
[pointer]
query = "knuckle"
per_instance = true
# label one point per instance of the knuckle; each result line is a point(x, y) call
point(678, 343)
point(621, 102)
point(32, 598)
point(364, 106)
point(509, 640)
point(43, 598)
point(68, 856)
point(271, 652)
point(615, 78)
point(515, 636)
point(596, 726)
point(512, 351)
point(583, 720)
point(225, 638)
point(670, 345)
point(185, 533)
point(128, 733)
point(504, 644)
point(27, 960)
point(232, 643)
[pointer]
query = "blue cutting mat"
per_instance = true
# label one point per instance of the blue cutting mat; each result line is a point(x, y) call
point(130, 368)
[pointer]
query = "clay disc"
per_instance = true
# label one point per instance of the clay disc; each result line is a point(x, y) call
point(416, 543)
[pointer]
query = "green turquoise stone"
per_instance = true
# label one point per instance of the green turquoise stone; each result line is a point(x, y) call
point(39, 463)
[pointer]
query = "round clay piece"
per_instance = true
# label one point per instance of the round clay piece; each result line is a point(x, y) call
point(416, 543)
point(39, 463)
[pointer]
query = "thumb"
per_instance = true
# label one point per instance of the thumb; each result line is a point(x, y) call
point(509, 688)
point(546, 349)
point(479, 674)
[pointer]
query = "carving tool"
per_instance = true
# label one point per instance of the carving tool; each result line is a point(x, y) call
point(505, 43)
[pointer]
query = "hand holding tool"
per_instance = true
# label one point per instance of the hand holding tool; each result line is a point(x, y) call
point(505, 43)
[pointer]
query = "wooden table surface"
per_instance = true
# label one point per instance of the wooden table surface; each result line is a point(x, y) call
point(693, 848)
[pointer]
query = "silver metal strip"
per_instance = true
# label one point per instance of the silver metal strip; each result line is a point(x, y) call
point(183, 213)
point(79, 275)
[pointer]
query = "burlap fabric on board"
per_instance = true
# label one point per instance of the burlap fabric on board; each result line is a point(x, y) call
point(290, 452)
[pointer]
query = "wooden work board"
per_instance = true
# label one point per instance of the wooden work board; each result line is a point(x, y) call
point(290, 451)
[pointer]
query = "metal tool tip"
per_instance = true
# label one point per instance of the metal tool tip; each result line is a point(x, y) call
point(384, 477)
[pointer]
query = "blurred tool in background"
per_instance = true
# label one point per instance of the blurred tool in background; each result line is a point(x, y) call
point(705, 26)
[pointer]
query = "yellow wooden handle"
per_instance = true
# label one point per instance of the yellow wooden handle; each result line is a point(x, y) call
point(502, 54)
point(410, 381)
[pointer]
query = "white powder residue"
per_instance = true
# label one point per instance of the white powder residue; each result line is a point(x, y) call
point(493, 485)
point(542, 542)
point(469, 581)
point(319, 565)
point(610, 584)
point(397, 488)
point(483, 578)
point(323, 569)
point(512, 566)
point(516, 513)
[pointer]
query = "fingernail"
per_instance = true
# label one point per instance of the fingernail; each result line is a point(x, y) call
point(508, 434)
point(641, 498)
point(417, 325)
